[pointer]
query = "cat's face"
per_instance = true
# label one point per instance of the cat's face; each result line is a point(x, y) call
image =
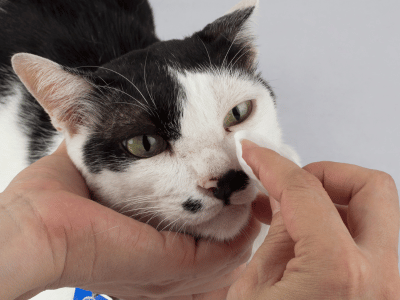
point(195, 184)
point(153, 131)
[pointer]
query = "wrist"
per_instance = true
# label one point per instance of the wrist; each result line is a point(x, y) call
point(27, 262)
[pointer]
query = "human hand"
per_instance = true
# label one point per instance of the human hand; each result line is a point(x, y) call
point(315, 250)
point(52, 236)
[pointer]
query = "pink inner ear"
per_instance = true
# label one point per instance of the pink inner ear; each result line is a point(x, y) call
point(58, 91)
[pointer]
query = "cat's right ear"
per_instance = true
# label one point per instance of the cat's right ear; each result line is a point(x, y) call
point(235, 28)
point(59, 90)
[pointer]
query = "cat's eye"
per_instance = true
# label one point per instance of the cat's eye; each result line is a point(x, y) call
point(238, 114)
point(145, 146)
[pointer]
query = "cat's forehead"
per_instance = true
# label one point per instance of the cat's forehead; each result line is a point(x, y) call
point(142, 93)
point(209, 98)
point(152, 83)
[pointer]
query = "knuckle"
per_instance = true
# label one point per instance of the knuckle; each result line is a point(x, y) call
point(300, 182)
point(303, 178)
point(353, 272)
point(383, 180)
point(384, 185)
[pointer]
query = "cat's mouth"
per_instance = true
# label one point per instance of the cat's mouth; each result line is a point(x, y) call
point(209, 217)
point(225, 225)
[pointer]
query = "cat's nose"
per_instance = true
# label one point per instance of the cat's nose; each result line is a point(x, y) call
point(232, 181)
point(209, 184)
point(223, 187)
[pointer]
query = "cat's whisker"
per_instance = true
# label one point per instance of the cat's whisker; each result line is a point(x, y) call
point(110, 70)
point(150, 218)
point(241, 57)
point(145, 81)
point(208, 244)
point(179, 230)
point(248, 44)
point(208, 54)
point(171, 223)
point(138, 200)
point(127, 205)
point(146, 198)
point(122, 206)
point(141, 105)
point(144, 214)
point(229, 49)
point(133, 104)
point(144, 209)
point(163, 220)
point(97, 90)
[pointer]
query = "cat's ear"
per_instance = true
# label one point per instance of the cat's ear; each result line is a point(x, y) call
point(60, 91)
point(236, 27)
point(244, 4)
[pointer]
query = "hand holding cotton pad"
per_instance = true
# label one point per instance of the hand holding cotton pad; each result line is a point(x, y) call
point(262, 141)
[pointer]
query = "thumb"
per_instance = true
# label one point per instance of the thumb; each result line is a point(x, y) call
point(271, 258)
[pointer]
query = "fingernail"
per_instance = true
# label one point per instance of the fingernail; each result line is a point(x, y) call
point(275, 205)
point(247, 145)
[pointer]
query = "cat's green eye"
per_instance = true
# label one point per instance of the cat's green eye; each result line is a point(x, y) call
point(145, 146)
point(238, 114)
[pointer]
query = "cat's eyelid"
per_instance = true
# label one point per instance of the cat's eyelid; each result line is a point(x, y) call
point(231, 118)
point(135, 145)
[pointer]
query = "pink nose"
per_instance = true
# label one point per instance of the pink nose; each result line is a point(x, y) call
point(209, 184)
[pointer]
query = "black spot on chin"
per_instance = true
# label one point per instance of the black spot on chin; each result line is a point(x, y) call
point(192, 205)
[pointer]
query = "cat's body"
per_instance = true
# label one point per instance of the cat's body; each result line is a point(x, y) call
point(149, 124)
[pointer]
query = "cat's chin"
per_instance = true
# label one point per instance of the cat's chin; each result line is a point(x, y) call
point(226, 225)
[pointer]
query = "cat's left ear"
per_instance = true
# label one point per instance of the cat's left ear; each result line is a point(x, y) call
point(62, 94)
point(235, 27)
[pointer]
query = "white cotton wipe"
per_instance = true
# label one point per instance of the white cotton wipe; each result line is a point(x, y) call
point(262, 141)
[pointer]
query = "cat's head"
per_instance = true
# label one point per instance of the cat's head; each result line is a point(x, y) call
point(152, 131)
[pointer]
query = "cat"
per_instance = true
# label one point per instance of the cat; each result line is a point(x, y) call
point(150, 124)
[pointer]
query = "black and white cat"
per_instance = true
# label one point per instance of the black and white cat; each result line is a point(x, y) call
point(150, 124)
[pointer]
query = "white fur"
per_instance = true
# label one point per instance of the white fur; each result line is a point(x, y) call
point(13, 139)
point(13, 142)
point(244, 4)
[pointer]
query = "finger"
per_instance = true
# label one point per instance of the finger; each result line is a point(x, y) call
point(274, 253)
point(52, 172)
point(209, 287)
point(215, 295)
point(373, 206)
point(341, 181)
point(262, 209)
point(342, 210)
point(211, 257)
point(62, 149)
point(306, 208)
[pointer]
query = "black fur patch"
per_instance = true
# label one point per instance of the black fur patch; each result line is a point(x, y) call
point(137, 91)
point(192, 205)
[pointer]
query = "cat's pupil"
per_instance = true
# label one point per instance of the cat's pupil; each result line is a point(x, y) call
point(236, 113)
point(146, 143)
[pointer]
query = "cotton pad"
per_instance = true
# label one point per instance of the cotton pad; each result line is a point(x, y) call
point(262, 141)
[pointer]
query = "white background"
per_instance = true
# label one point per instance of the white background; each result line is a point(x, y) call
point(334, 66)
